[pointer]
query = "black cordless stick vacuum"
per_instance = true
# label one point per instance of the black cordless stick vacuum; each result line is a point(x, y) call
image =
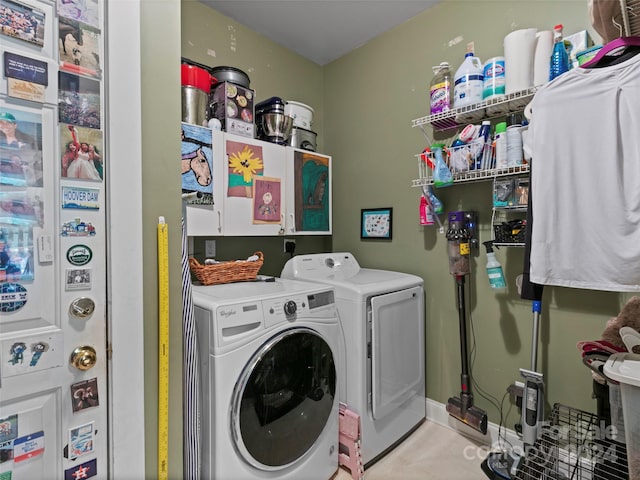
point(458, 243)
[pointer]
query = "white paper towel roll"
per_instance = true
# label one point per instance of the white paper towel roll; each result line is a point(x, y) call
point(519, 47)
point(542, 57)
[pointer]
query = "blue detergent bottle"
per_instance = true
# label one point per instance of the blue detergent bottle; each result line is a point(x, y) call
point(559, 57)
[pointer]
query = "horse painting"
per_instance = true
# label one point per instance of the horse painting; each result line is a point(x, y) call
point(73, 29)
point(197, 163)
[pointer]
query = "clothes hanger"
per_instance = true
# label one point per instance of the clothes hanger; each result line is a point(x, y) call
point(619, 44)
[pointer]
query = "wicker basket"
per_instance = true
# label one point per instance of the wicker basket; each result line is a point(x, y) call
point(226, 272)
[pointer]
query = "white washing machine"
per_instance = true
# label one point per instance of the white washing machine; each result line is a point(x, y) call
point(268, 380)
point(382, 315)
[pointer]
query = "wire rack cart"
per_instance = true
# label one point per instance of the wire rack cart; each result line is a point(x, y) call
point(575, 445)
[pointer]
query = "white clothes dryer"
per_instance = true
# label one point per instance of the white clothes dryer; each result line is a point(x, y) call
point(382, 316)
point(268, 380)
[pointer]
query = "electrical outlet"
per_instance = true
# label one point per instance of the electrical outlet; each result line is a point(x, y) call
point(209, 248)
point(289, 245)
point(516, 389)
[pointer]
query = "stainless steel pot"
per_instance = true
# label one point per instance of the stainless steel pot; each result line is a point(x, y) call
point(231, 74)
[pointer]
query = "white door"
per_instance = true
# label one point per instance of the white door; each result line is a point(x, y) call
point(53, 343)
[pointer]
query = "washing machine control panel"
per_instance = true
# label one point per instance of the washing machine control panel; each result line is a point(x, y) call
point(289, 309)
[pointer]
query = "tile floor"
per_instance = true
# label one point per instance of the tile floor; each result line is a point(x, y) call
point(432, 452)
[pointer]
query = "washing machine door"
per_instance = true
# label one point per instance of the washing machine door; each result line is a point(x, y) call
point(283, 399)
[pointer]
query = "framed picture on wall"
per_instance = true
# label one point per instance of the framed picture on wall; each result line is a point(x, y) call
point(376, 223)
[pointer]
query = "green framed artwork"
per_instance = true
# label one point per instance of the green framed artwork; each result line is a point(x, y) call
point(376, 223)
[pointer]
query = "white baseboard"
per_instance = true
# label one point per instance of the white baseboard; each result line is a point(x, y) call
point(437, 413)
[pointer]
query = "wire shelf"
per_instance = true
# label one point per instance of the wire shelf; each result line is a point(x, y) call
point(574, 445)
point(492, 108)
point(426, 177)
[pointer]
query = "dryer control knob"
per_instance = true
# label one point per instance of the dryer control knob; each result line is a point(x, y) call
point(290, 308)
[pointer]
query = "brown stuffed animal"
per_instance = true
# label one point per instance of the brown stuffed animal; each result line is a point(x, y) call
point(629, 316)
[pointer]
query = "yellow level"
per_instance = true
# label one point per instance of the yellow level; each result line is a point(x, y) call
point(163, 349)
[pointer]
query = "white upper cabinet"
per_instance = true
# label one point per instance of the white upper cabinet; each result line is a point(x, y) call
point(308, 200)
point(258, 188)
point(248, 183)
point(203, 218)
point(254, 187)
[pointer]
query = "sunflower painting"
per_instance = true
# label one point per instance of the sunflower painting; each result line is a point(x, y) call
point(245, 162)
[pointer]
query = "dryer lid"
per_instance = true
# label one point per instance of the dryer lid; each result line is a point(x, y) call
point(342, 271)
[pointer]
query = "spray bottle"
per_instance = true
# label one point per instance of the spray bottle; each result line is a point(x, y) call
point(494, 269)
point(426, 215)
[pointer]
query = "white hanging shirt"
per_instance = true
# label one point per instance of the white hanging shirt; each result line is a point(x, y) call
point(584, 139)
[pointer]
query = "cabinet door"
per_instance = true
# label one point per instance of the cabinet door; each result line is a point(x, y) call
point(204, 217)
point(308, 204)
point(254, 187)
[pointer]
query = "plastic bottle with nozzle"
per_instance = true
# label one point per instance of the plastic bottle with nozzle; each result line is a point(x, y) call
point(494, 268)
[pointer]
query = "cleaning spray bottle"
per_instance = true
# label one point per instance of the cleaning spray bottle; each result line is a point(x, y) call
point(494, 269)
point(442, 176)
point(426, 215)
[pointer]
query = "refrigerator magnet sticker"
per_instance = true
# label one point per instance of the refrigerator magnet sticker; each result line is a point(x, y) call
point(80, 441)
point(28, 447)
point(19, 22)
point(78, 100)
point(84, 470)
point(26, 77)
point(77, 228)
point(20, 208)
point(81, 153)
point(87, 12)
point(6, 453)
point(8, 428)
point(78, 279)
point(79, 50)
point(79, 255)
point(16, 253)
point(81, 198)
point(84, 394)
point(13, 297)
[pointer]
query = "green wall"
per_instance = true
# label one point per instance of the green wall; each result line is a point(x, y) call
point(364, 103)
point(392, 74)
point(161, 187)
point(375, 148)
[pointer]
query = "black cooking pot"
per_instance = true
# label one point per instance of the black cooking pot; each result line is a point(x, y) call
point(231, 74)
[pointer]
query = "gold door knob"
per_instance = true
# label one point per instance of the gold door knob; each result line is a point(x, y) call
point(83, 358)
